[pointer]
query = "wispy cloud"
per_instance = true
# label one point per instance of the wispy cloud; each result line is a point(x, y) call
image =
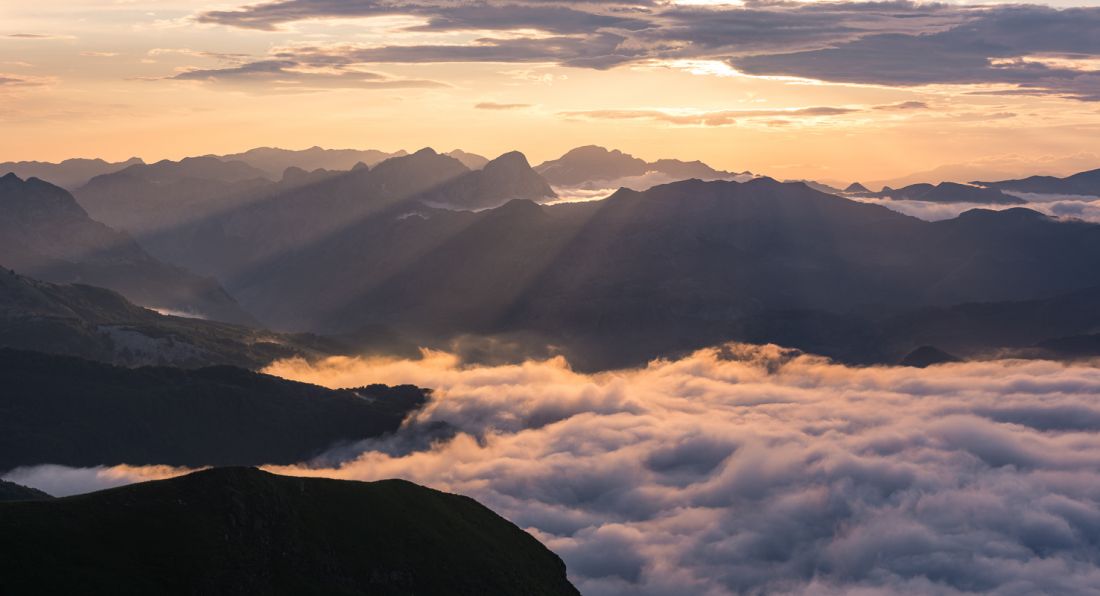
point(491, 105)
point(709, 118)
point(288, 75)
point(42, 36)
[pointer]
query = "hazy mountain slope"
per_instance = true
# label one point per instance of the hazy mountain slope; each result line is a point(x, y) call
point(46, 234)
point(1082, 183)
point(99, 324)
point(295, 213)
point(145, 199)
point(592, 163)
point(64, 410)
point(243, 531)
point(305, 209)
point(274, 161)
point(70, 174)
point(470, 160)
point(498, 181)
point(678, 266)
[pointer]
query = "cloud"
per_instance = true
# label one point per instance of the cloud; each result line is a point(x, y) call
point(905, 105)
point(231, 58)
point(559, 17)
point(753, 469)
point(284, 75)
point(12, 80)
point(712, 118)
point(599, 50)
point(1065, 206)
point(43, 36)
point(491, 105)
point(1027, 49)
point(995, 48)
point(62, 481)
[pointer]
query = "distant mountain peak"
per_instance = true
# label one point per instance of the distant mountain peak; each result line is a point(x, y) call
point(510, 159)
point(926, 356)
point(470, 160)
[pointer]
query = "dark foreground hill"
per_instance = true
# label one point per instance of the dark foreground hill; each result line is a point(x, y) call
point(10, 491)
point(243, 531)
point(62, 410)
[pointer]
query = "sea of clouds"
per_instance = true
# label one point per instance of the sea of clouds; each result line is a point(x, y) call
point(750, 469)
point(1063, 206)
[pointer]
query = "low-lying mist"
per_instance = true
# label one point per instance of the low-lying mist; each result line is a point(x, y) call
point(752, 468)
point(1066, 206)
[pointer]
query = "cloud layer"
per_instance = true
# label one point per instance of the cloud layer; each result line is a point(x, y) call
point(755, 469)
point(1016, 49)
point(1065, 206)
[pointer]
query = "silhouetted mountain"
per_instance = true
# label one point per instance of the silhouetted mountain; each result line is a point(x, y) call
point(593, 164)
point(685, 170)
point(274, 161)
point(1082, 183)
point(470, 160)
point(681, 265)
point(98, 324)
point(10, 491)
point(70, 411)
point(46, 234)
point(244, 531)
point(499, 181)
point(856, 187)
point(70, 174)
point(588, 163)
point(950, 192)
point(926, 356)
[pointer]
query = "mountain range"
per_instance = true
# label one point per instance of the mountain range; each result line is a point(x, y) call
point(944, 192)
point(228, 229)
point(419, 249)
point(244, 531)
point(642, 272)
point(69, 174)
point(1082, 183)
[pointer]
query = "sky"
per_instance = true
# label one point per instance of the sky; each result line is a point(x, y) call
point(832, 91)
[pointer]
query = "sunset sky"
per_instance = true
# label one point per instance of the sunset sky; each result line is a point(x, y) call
point(834, 91)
